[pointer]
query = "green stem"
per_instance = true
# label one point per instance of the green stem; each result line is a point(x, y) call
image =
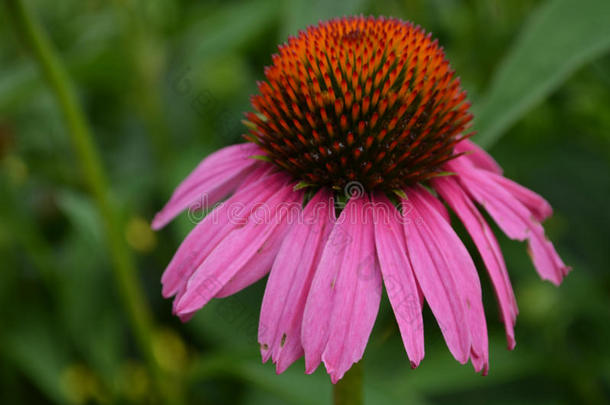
point(124, 272)
point(348, 391)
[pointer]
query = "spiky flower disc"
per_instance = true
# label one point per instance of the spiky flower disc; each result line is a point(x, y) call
point(371, 100)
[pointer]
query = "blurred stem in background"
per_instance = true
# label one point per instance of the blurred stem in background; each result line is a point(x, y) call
point(133, 297)
point(147, 56)
point(348, 390)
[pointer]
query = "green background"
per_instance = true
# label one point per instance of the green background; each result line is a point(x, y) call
point(164, 83)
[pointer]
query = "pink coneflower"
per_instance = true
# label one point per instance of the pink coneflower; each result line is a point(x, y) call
point(360, 126)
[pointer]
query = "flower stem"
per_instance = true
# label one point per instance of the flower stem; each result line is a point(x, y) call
point(348, 390)
point(124, 271)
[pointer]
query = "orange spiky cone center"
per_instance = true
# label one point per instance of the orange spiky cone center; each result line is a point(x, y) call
point(371, 100)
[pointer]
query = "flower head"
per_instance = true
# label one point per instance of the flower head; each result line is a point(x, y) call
point(360, 99)
point(360, 125)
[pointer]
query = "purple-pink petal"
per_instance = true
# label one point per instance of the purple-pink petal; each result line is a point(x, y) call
point(537, 205)
point(234, 253)
point(457, 260)
point(398, 278)
point(477, 156)
point(482, 235)
point(344, 298)
point(227, 217)
point(215, 177)
point(279, 333)
point(514, 218)
point(437, 204)
point(437, 283)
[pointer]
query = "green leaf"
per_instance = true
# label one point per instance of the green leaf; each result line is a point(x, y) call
point(81, 211)
point(560, 38)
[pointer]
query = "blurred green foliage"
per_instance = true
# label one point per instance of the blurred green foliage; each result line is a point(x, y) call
point(165, 82)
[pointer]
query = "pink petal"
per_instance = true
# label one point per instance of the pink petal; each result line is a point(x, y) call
point(215, 177)
point(398, 277)
point(458, 200)
point(259, 266)
point(437, 204)
point(227, 217)
point(538, 206)
point(477, 156)
point(344, 299)
point(437, 283)
point(453, 259)
point(234, 253)
point(513, 218)
point(279, 332)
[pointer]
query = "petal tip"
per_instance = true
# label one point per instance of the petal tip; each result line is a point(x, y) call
point(334, 378)
point(158, 222)
point(265, 352)
point(310, 365)
point(166, 292)
point(186, 305)
point(310, 370)
point(186, 316)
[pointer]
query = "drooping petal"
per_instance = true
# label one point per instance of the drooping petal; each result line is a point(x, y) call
point(514, 218)
point(260, 265)
point(537, 205)
point(400, 283)
point(214, 178)
point(279, 333)
point(235, 252)
point(344, 299)
point(227, 217)
point(439, 287)
point(482, 235)
point(453, 259)
point(477, 156)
